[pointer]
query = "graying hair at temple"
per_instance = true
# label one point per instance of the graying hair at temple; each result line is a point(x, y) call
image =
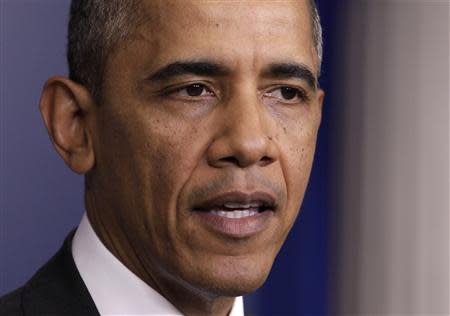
point(96, 27)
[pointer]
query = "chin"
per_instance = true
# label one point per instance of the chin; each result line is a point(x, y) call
point(239, 285)
point(233, 276)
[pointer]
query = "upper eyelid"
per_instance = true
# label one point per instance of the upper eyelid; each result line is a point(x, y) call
point(181, 86)
point(177, 88)
point(303, 95)
point(291, 83)
point(299, 89)
point(286, 86)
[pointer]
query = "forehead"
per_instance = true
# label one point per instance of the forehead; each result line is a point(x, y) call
point(164, 11)
point(252, 28)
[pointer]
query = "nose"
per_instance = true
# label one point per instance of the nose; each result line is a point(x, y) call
point(244, 135)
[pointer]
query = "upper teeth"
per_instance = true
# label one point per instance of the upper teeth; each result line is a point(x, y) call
point(234, 205)
point(235, 214)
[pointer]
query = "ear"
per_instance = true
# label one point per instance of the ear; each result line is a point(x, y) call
point(320, 98)
point(66, 108)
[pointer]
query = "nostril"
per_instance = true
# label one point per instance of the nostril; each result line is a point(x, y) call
point(266, 160)
point(231, 160)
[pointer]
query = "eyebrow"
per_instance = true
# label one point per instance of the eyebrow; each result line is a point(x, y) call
point(199, 68)
point(291, 70)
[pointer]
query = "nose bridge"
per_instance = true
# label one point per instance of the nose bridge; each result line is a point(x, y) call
point(246, 121)
point(245, 136)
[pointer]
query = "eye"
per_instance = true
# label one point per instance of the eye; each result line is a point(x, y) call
point(193, 90)
point(288, 94)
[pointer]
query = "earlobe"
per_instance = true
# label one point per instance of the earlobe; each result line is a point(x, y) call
point(67, 109)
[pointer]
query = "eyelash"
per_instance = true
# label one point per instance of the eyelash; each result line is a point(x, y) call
point(175, 90)
point(299, 92)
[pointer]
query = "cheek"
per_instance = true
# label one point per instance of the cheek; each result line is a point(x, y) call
point(172, 152)
point(298, 154)
point(302, 153)
point(152, 157)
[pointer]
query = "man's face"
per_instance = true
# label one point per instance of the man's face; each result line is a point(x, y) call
point(205, 138)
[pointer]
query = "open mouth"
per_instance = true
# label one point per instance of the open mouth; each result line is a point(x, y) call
point(237, 210)
point(237, 205)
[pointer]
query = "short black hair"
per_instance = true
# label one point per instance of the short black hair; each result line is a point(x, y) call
point(96, 27)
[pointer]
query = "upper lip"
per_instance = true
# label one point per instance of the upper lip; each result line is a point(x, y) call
point(261, 200)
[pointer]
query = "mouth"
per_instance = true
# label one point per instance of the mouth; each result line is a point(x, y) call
point(237, 214)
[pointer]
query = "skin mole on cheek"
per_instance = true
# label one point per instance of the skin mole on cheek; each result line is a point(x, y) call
point(285, 129)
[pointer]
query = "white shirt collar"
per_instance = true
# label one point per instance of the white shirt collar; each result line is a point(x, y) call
point(114, 289)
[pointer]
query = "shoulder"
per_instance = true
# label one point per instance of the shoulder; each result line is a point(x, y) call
point(55, 289)
point(11, 304)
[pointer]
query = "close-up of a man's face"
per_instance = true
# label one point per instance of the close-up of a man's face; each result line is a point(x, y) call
point(204, 141)
point(198, 150)
point(208, 176)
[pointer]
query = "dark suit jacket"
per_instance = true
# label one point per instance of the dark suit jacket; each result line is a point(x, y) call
point(56, 289)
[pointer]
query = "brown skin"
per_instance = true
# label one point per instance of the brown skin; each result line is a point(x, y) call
point(148, 156)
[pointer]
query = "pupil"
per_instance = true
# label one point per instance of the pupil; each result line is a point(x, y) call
point(194, 90)
point(288, 93)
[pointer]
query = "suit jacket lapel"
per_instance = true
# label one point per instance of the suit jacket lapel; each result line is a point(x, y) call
point(57, 288)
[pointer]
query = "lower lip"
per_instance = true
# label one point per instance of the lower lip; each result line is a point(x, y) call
point(236, 227)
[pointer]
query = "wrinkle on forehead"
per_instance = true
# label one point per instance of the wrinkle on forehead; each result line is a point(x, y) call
point(215, 12)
